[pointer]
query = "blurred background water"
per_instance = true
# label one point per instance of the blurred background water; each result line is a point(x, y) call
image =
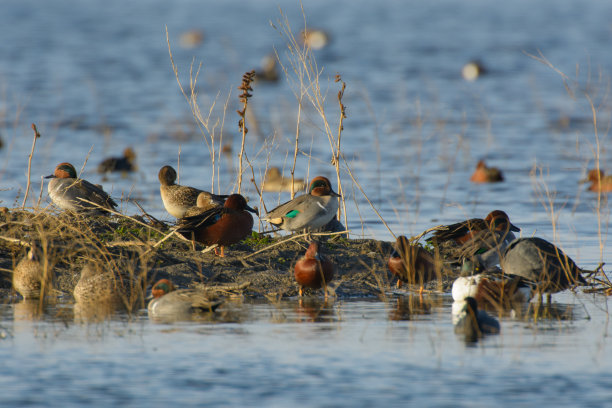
point(96, 77)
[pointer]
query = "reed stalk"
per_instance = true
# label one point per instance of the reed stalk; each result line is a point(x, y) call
point(36, 136)
point(245, 87)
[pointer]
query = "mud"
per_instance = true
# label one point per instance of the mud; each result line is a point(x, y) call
point(260, 267)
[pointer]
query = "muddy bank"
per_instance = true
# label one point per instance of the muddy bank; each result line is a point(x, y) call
point(131, 246)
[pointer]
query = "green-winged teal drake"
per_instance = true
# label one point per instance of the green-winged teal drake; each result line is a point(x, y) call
point(68, 192)
point(169, 302)
point(308, 211)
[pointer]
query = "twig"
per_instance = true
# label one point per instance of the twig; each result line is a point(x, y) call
point(121, 215)
point(245, 87)
point(36, 136)
point(42, 184)
point(293, 238)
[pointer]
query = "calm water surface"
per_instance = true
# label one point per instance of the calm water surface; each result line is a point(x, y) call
point(96, 78)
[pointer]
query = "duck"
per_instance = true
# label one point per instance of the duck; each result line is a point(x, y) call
point(127, 163)
point(497, 291)
point(477, 239)
point(599, 181)
point(268, 71)
point(315, 39)
point(307, 211)
point(472, 70)
point(30, 279)
point(484, 174)
point(471, 322)
point(222, 226)
point(103, 288)
point(542, 263)
point(274, 181)
point(463, 231)
point(178, 199)
point(171, 302)
point(412, 263)
point(313, 270)
point(485, 248)
point(203, 204)
point(68, 192)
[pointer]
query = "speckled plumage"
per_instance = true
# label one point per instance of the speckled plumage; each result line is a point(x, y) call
point(68, 192)
point(204, 202)
point(178, 199)
point(105, 287)
point(29, 276)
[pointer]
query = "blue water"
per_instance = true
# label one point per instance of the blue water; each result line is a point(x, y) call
point(96, 77)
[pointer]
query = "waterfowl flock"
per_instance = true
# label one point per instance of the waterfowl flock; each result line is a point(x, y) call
point(491, 269)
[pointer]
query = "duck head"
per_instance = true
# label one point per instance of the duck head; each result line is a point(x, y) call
point(63, 170)
point(167, 176)
point(320, 186)
point(162, 287)
point(499, 221)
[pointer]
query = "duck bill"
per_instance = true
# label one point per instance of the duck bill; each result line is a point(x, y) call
point(514, 228)
point(50, 176)
point(582, 181)
point(334, 194)
point(251, 209)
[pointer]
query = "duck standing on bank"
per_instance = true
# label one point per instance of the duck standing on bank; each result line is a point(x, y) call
point(308, 211)
point(487, 238)
point(222, 226)
point(539, 261)
point(68, 192)
point(168, 302)
point(178, 199)
point(412, 264)
point(313, 270)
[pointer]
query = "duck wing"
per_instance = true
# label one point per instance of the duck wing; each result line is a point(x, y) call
point(96, 194)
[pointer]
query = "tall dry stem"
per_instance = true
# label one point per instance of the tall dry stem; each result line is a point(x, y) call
point(36, 136)
point(245, 87)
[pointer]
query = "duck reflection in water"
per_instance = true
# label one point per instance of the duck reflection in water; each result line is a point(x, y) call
point(312, 309)
point(406, 307)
